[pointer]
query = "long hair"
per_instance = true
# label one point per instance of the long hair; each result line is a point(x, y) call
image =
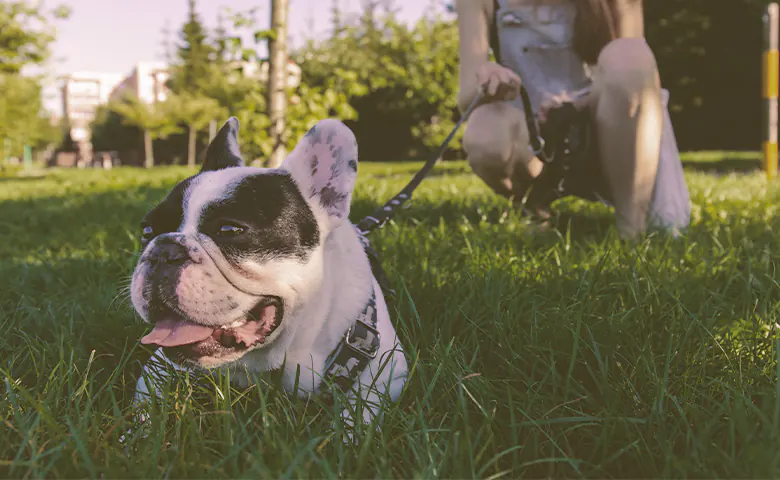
point(595, 25)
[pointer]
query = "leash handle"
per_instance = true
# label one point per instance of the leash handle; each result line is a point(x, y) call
point(383, 214)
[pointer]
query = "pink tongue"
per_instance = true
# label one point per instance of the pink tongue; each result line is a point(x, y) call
point(172, 333)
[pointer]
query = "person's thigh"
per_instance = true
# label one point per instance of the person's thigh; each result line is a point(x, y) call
point(628, 118)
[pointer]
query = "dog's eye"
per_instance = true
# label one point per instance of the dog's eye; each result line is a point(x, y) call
point(147, 232)
point(229, 229)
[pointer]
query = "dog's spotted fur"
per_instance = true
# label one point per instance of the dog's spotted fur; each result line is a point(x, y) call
point(299, 248)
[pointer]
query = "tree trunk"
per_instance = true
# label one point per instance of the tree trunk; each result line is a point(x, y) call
point(191, 147)
point(277, 80)
point(148, 150)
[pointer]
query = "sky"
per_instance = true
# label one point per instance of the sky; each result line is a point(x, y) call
point(113, 35)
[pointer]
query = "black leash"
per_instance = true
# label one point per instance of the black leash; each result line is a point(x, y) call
point(536, 140)
point(362, 341)
point(383, 214)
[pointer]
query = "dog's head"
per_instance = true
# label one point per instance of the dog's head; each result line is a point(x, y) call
point(232, 250)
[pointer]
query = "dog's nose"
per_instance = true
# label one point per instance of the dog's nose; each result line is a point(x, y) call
point(168, 252)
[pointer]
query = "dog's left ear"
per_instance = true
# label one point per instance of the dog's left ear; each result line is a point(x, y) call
point(324, 165)
point(223, 151)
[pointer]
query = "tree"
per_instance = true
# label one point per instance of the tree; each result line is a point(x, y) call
point(336, 18)
point(153, 120)
point(194, 56)
point(26, 34)
point(401, 81)
point(23, 120)
point(277, 80)
point(709, 56)
point(195, 112)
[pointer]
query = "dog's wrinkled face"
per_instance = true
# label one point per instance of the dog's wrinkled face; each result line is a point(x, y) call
point(233, 250)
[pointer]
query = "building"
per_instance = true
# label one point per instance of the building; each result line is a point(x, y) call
point(259, 71)
point(81, 93)
point(146, 82)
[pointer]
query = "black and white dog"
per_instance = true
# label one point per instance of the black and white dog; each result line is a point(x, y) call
point(259, 270)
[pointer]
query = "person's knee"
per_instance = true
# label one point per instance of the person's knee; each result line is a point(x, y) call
point(628, 67)
point(487, 141)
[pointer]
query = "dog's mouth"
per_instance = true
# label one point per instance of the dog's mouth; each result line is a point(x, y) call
point(200, 340)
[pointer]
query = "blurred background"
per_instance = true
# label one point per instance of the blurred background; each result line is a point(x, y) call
point(107, 82)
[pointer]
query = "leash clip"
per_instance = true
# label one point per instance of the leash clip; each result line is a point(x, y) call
point(540, 150)
point(376, 224)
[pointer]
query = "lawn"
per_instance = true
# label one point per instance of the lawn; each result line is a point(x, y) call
point(563, 353)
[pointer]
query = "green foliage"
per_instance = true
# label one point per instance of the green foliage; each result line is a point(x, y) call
point(392, 83)
point(23, 120)
point(193, 111)
point(401, 81)
point(109, 132)
point(535, 355)
point(709, 55)
point(26, 34)
point(156, 119)
point(195, 56)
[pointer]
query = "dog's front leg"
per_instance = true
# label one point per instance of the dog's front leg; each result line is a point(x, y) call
point(379, 384)
point(153, 376)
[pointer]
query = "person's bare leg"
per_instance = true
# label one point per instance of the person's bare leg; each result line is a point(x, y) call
point(496, 143)
point(628, 116)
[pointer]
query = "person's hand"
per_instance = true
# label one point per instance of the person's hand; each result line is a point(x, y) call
point(580, 99)
point(548, 103)
point(497, 82)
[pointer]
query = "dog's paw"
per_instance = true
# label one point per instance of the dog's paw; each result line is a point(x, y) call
point(352, 431)
point(141, 428)
point(147, 387)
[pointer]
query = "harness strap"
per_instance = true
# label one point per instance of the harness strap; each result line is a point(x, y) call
point(359, 346)
point(362, 341)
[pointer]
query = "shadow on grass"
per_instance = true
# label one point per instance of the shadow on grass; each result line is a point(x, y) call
point(439, 171)
point(579, 226)
point(106, 222)
point(101, 221)
point(70, 308)
point(21, 178)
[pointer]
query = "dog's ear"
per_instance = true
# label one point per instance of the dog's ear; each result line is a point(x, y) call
point(223, 151)
point(324, 165)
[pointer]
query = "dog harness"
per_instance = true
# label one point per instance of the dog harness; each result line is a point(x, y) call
point(362, 340)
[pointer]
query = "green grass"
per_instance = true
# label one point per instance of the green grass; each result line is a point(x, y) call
point(563, 353)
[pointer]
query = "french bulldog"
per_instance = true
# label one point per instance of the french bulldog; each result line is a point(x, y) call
point(259, 270)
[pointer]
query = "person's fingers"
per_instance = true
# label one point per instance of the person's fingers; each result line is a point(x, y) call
point(498, 82)
point(514, 78)
point(511, 85)
point(493, 85)
point(515, 84)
